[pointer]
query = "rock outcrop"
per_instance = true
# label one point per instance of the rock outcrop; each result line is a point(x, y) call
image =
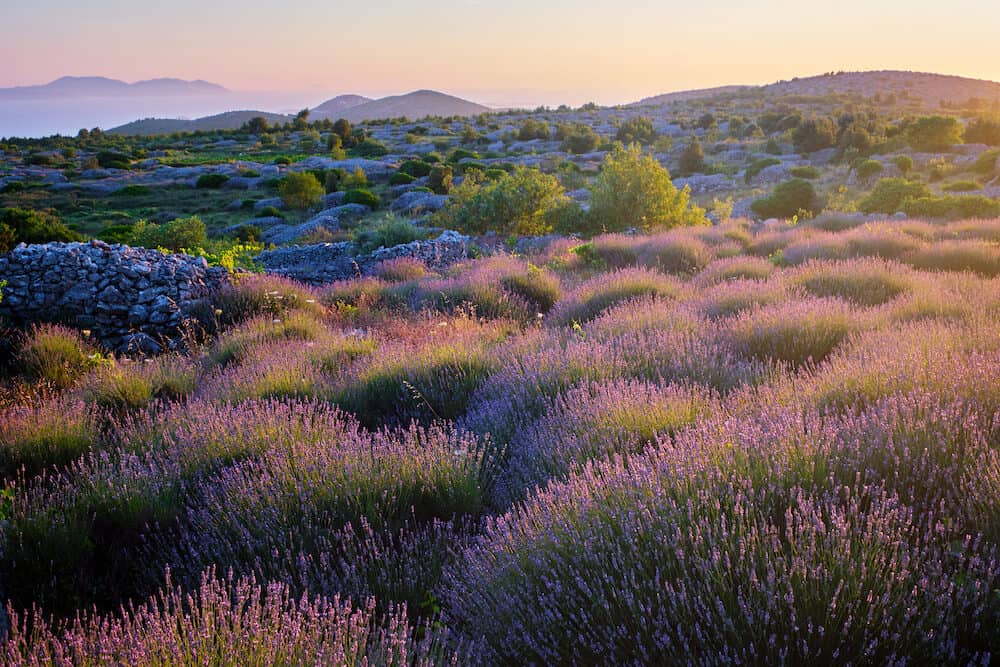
point(127, 297)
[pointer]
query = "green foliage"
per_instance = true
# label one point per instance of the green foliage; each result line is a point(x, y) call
point(391, 232)
point(961, 186)
point(889, 193)
point(112, 160)
point(868, 169)
point(269, 212)
point(19, 225)
point(56, 355)
point(578, 138)
point(132, 191)
point(460, 154)
point(211, 181)
point(301, 190)
point(533, 129)
point(175, 235)
point(440, 179)
point(415, 168)
point(814, 134)
point(342, 128)
point(638, 130)
point(951, 206)
point(399, 178)
point(986, 163)
point(370, 148)
point(796, 197)
point(806, 172)
point(984, 130)
point(904, 163)
point(522, 202)
point(634, 190)
point(363, 197)
point(934, 133)
point(758, 166)
point(692, 159)
point(117, 234)
point(356, 179)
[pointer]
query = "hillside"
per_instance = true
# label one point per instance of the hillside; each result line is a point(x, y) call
point(417, 104)
point(927, 89)
point(229, 120)
point(98, 86)
point(334, 108)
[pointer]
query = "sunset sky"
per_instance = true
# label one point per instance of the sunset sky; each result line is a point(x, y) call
point(515, 51)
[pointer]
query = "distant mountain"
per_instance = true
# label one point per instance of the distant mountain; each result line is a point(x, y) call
point(334, 108)
point(99, 86)
point(417, 104)
point(230, 120)
point(926, 89)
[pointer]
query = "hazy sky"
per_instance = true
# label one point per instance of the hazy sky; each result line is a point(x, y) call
point(495, 51)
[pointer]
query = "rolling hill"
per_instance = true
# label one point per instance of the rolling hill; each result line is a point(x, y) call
point(334, 108)
point(927, 89)
point(229, 120)
point(99, 86)
point(417, 104)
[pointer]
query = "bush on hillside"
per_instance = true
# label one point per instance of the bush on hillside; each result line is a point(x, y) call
point(301, 190)
point(796, 197)
point(18, 225)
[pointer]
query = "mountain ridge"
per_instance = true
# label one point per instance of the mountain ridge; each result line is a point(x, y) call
point(100, 86)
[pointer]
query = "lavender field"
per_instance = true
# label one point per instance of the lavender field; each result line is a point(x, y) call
point(723, 445)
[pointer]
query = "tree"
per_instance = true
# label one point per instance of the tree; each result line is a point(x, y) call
point(257, 125)
point(525, 201)
point(177, 235)
point(904, 163)
point(440, 178)
point(889, 194)
point(533, 129)
point(577, 138)
point(934, 133)
point(814, 134)
point(791, 198)
point(692, 159)
point(984, 130)
point(342, 128)
point(636, 130)
point(634, 190)
point(301, 121)
point(301, 190)
point(336, 146)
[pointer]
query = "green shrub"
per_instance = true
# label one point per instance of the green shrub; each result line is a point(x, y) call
point(440, 179)
point(56, 355)
point(370, 148)
point(399, 178)
point(415, 168)
point(814, 134)
point(889, 193)
point(176, 235)
point(868, 169)
point(807, 172)
point(301, 190)
point(533, 129)
point(692, 159)
point(211, 181)
point(132, 191)
point(519, 203)
point(269, 212)
point(363, 197)
point(904, 163)
point(984, 131)
point(758, 166)
point(460, 154)
point(952, 206)
point(961, 186)
point(934, 133)
point(112, 160)
point(578, 138)
point(19, 225)
point(634, 190)
point(791, 198)
point(638, 130)
point(249, 234)
point(388, 233)
point(117, 234)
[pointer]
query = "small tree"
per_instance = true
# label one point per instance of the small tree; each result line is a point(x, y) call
point(526, 201)
point(301, 121)
point(791, 198)
point(336, 146)
point(814, 134)
point(634, 190)
point(868, 169)
point(934, 133)
point(904, 163)
point(692, 159)
point(19, 225)
point(636, 130)
point(257, 125)
point(342, 128)
point(301, 190)
point(440, 179)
